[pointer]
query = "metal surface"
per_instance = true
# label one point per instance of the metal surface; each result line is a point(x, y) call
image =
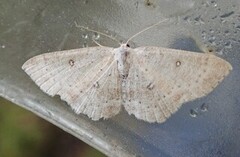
point(205, 127)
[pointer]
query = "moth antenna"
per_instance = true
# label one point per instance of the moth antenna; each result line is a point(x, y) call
point(79, 26)
point(145, 30)
point(97, 43)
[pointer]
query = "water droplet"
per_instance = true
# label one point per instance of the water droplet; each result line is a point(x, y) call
point(211, 40)
point(204, 107)
point(95, 36)
point(214, 17)
point(204, 35)
point(238, 26)
point(214, 4)
point(50, 113)
point(136, 4)
point(198, 20)
point(227, 32)
point(193, 113)
point(205, 4)
point(106, 31)
point(220, 52)
point(223, 20)
point(228, 44)
point(211, 31)
point(85, 44)
point(227, 14)
point(85, 36)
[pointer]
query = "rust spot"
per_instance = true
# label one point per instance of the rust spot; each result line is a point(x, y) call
point(131, 93)
point(96, 85)
point(170, 92)
point(150, 86)
point(210, 50)
point(148, 3)
point(71, 62)
point(110, 109)
point(178, 63)
point(177, 97)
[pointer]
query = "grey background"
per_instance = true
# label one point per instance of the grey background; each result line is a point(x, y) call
point(205, 127)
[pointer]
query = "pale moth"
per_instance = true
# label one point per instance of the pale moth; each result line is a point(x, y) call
point(150, 82)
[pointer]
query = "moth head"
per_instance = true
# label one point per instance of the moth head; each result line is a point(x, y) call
point(124, 49)
point(125, 46)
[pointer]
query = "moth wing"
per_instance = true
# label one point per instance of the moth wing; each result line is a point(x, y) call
point(87, 79)
point(160, 80)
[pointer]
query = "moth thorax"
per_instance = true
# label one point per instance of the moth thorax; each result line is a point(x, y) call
point(121, 56)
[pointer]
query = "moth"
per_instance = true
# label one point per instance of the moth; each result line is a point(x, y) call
point(150, 82)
